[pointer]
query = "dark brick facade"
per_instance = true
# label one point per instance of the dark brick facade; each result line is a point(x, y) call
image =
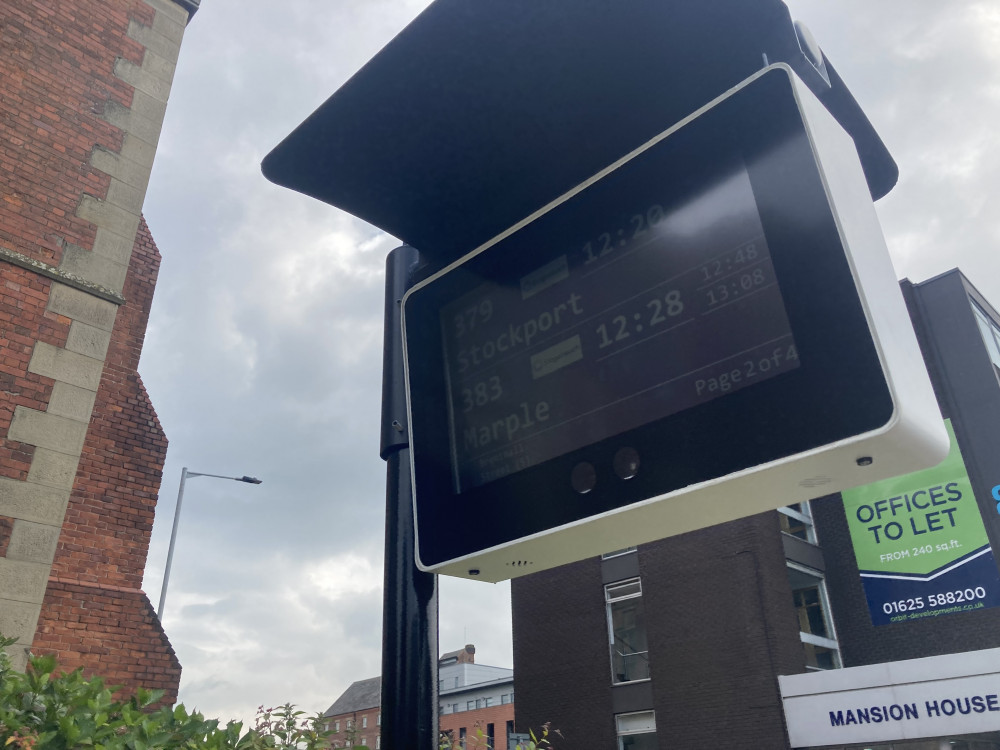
point(719, 627)
point(720, 620)
point(561, 669)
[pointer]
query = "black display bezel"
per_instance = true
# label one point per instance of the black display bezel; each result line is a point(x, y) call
point(837, 392)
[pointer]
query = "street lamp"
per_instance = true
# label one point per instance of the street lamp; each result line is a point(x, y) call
point(177, 514)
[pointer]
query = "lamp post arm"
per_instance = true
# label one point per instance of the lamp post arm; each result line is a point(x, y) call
point(244, 478)
point(177, 514)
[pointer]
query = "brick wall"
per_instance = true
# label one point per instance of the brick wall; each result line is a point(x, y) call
point(57, 77)
point(562, 668)
point(105, 535)
point(109, 631)
point(720, 628)
point(364, 723)
point(23, 321)
point(94, 614)
point(479, 718)
point(83, 92)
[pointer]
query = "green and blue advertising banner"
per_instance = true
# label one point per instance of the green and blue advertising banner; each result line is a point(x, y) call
point(921, 545)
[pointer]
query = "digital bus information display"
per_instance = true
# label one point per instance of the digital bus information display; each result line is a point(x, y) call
point(682, 339)
point(669, 306)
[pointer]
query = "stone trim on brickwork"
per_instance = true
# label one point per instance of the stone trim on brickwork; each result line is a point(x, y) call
point(57, 274)
point(86, 289)
point(117, 214)
point(101, 586)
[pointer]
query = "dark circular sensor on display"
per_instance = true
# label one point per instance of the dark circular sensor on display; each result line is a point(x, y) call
point(626, 462)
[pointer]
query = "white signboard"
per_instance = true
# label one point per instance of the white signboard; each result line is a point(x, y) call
point(938, 696)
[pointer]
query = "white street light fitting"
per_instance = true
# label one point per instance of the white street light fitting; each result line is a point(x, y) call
point(177, 514)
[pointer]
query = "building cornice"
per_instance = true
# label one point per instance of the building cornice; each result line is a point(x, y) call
point(69, 279)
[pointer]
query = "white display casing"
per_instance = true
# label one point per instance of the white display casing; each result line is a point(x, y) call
point(914, 438)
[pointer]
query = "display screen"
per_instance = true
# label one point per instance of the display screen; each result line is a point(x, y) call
point(667, 305)
point(686, 314)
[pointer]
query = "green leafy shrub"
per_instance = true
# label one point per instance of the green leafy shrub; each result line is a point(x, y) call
point(539, 742)
point(41, 709)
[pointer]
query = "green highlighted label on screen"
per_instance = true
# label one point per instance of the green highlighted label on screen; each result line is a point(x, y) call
point(920, 543)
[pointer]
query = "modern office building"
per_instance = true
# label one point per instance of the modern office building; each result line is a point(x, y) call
point(866, 619)
point(475, 705)
point(83, 91)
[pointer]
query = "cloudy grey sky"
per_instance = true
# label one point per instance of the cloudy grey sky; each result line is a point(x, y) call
point(263, 353)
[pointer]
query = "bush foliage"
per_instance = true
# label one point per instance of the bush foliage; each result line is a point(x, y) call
point(42, 709)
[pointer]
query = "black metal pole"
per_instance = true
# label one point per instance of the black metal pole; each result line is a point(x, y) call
point(410, 612)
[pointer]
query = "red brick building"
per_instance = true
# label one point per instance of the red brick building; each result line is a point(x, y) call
point(355, 718)
point(475, 706)
point(481, 728)
point(83, 90)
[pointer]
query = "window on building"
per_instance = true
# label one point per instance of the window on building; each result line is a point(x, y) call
point(487, 702)
point(378, 719)
point(636, 731)
point(618, 552)
point(336, 725)
point(461, 737)
point(991, 333)
point(378, 742)
point(819, 639)
point(364, 722)
point(797, 521)
point(627, 631)
point(470, 706)
point(349, 724)
point(504, 699)
point(363, 740)
point(454, 708)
